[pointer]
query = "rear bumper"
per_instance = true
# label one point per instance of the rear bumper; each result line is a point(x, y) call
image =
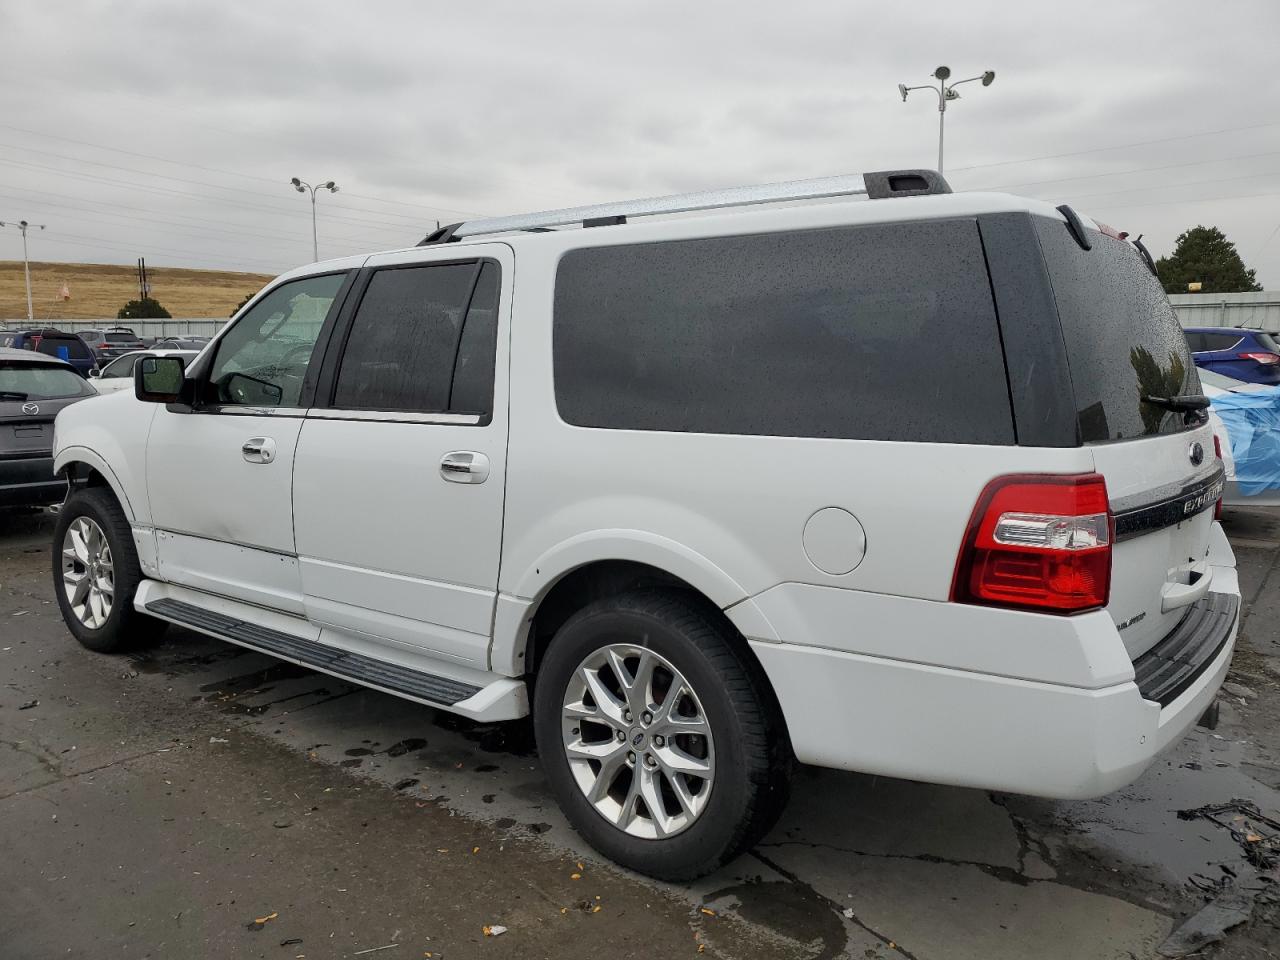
point(29, 482)
point(941, 724)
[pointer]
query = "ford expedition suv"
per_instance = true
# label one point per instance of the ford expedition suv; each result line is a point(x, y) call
point(667, 484)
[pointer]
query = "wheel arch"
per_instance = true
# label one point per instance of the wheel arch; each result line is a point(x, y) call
point(82, 467)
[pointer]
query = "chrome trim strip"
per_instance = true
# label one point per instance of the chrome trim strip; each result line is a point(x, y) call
point(396, 416)
point(1194, 498)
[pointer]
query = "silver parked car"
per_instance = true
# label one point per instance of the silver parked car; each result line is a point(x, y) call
point(33, 388)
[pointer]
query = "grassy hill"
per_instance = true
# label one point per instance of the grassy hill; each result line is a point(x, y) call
point(98, 290)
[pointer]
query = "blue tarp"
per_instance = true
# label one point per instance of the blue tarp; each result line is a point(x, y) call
point(1253, 426)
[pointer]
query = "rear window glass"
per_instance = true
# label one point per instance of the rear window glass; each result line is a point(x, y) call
point(121, 338)
point(1123, 340)
point(883, 332)
point(1267, 342)
point(54, 346)
point(39, 381)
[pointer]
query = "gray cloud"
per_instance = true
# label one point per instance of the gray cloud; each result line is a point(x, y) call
point(425, 111)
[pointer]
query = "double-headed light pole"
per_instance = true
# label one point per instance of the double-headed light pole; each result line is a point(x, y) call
point(302, 187)
point(945, 91)
point(26, 264)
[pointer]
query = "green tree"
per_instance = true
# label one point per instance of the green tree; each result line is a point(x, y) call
point(1204, 254)
point(240, 305)
point(144, 309)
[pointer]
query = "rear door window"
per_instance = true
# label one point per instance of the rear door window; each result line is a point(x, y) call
point(1123, 340)
point(881, 332)
point(423, 341)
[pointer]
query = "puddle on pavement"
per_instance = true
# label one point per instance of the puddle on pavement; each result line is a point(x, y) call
point(789, 910)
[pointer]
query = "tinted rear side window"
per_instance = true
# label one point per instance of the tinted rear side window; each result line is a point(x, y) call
point(883, 332)
point(1219, 341)
point(408, 336)
point(1123, 340)
point(74, 346)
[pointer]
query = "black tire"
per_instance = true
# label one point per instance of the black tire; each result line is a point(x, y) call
point(753, 755)
point(124, 626)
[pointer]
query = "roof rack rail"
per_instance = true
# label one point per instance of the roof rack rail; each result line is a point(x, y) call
point(877, 185)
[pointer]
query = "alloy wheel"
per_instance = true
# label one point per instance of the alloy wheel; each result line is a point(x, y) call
point(88, 575)
point(638, 741)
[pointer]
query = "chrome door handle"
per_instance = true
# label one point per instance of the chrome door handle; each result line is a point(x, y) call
point(464, 466)
point(259, 450)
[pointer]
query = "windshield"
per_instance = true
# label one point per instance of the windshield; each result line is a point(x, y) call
point(39, 381)
point(1123, 340)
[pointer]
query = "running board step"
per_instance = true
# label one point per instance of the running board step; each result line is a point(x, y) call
point(356, 666)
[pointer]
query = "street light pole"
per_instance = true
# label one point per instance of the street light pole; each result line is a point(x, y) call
point(26, 263)
point(945, 92)
point(302, 187)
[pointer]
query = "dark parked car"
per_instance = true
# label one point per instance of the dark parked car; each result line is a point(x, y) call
point(1248, 355)
point(33, 388)
point(111, 343)
point(181, 343)
point(53, 343)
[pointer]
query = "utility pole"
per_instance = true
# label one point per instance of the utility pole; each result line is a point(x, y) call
point(26, 264)
point(302, 187)
point(946, 92)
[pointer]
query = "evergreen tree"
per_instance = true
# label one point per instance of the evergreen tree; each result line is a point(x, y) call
point(1204, 254)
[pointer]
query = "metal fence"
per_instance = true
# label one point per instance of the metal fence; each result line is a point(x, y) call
point(1255, 311)
point(148, 329)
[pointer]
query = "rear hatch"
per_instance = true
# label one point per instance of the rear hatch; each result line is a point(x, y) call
point(31, 394)
point(118, 344)
point(1124, 344)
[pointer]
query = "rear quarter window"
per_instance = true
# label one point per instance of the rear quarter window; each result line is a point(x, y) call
point(881, 332)
point(1123, 340)
point(74, 346)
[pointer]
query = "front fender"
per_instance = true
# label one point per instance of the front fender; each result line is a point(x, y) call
point(68, 456)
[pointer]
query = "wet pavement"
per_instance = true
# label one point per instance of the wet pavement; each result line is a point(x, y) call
point(158, 803)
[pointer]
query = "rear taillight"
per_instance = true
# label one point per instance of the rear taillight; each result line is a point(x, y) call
point(1038, 541)
point(1217, 452)
point(1267, 358)
point(103, 346)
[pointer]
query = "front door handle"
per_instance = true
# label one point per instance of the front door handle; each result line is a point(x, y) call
point(464, 466)
point(259, 450)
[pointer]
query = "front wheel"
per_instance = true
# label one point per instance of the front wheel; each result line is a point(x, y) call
point(96, 572)
point(659, 735)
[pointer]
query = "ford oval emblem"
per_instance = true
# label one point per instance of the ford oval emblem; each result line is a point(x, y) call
point(1196, 453)
point(30, 409)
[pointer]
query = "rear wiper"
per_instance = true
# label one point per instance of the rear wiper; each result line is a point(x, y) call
point(1189, 403)
point(12, 395)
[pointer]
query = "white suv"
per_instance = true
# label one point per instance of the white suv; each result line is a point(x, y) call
point(883, 478)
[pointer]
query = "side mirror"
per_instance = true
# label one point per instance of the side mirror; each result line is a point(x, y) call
point(158, 379)
point(95, 372)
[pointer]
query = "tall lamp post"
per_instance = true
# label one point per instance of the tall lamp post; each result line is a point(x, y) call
point(26, 264)
point(945, 91)
point(302, 187)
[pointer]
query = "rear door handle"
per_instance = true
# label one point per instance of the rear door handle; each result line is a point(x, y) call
point(259, 450)
point(464, 466)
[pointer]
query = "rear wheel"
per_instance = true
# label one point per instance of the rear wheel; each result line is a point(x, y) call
point(96, 573)
point(658, 734)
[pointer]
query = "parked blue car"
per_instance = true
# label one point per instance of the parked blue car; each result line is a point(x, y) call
point(55, 343)
point(1248, 355)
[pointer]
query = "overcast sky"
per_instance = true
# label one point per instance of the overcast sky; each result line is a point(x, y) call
point(170, 129)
